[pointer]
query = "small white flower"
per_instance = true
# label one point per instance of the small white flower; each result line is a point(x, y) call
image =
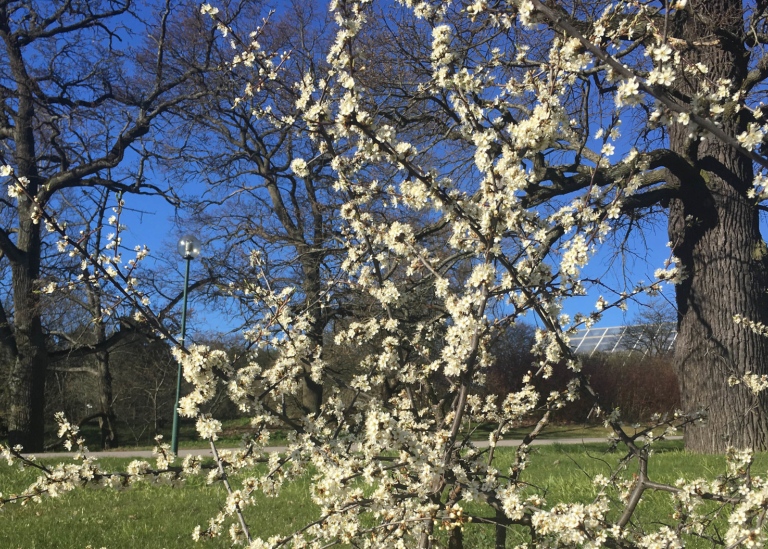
point(752, 137)
point(207, 9)
point(628, 93)
point(299, 167)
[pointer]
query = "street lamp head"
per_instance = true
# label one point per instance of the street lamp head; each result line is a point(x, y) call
point(189, 246)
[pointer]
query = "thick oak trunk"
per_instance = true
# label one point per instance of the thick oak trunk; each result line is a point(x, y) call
point(714, 231)
point(26, 383)
point(721, 251)
point(26, 400)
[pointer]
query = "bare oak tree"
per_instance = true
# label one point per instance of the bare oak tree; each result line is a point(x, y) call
point(84, 86)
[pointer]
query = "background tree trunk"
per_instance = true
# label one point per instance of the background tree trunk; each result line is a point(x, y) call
point(714, 231)
point(312, 392)
point(107, 421)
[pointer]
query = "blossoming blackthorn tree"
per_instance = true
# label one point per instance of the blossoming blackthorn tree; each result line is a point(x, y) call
point(502, 121)
point(539, 99)
point(497, 125)
point(678, 91)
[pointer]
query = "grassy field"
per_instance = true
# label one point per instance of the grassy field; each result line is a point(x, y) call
point(234, 429)
point(232, 433)
point(144, 515)
point(551, 431)
point(164, 517)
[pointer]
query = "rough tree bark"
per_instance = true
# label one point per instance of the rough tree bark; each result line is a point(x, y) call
point(26, 382)
point(714, 230)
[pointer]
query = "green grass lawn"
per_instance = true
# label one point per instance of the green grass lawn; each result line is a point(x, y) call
point(231, 436)
point(551, 431)
point(234, 429)
point(163, 516)
point(145, 515)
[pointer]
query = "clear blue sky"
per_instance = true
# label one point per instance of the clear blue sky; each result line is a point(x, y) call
point(154, 225)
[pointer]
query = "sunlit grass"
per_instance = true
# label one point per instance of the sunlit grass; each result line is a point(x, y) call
point(231, 436)
point(164, 516)
point(233, 430)
point(145, 515)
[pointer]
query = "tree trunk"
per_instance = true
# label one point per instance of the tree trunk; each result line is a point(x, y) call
point(107, 420)
point(456, 541)
point(26, 399)
point(714, 231)
point(107, 425)
point(312, 392)
point(311, 395)
point(26, 383)
point(502, 523)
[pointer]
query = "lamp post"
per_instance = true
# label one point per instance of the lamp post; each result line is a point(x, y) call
point(189, 249)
